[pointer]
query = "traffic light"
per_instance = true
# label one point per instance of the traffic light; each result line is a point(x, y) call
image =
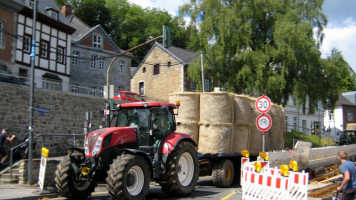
point(166, 36)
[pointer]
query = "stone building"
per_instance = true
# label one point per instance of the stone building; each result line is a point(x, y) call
point(52, 69)
point(163, 71)
point(92, 51)
point(8, 20)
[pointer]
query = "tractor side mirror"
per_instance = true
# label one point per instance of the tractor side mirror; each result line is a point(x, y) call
point(179, 123)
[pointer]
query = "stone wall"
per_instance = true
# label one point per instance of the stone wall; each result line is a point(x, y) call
point(66, 115)
point(50, 170)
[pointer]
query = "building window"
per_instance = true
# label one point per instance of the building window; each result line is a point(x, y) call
point(169, 64)
point(102, 63)
point(2, 35)
point(26, 44)
point(122, 66)
point(207, 85)
point(54, 15)
point(156, 69)
point(23, 74)
point(60, 54)
point(97, 41)
point(31, 3)
point(75, 89)
point(286, 123)
point(120, 88)
point(144, 70)
point(350, 116)
point(315, 127)
point(51, 81)
point(44, 49)
point(93, 61)
point(93, 91)
point(193, 86)
point(75, 57)
point(295, 123)
point(141, 87)
point(304, 126)
point(101, 92)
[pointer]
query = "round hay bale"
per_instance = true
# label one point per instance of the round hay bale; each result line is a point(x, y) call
point(189, 105)
point(242, 109)
point(241, 138)
point(254, 141)
point(215, 138)
point(216, 107)
point(276, 137)
point(191, 128)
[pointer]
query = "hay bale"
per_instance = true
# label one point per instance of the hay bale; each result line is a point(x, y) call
point(189, 109)
point(240, 138)
point(242, 109)
point(191, 128)
point(254, 141)
point(215, 138)
point(216, 107)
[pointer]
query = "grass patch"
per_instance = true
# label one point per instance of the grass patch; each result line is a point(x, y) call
point(288, 142)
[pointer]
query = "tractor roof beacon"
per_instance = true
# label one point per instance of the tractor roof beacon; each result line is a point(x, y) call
point(140, 145)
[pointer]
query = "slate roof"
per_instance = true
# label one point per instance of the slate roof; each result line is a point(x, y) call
point(343, 101)
point(44, 5)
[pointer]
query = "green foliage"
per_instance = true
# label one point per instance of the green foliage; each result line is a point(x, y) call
point(289, 136)
point(269, 47)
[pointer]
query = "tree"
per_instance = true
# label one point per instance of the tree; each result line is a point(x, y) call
point(260, 46)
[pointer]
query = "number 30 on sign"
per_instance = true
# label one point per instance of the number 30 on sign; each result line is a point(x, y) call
point(263, 104)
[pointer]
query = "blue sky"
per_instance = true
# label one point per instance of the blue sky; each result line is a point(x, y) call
point(340, 31)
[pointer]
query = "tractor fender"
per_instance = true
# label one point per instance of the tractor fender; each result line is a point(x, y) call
point(140, 153)
point(172, 141)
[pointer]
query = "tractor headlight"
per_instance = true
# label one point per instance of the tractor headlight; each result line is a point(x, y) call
point(97, 146)
point(86, 147)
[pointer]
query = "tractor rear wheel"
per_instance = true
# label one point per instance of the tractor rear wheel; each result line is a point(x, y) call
point(182, 170)
point(68, 186)
point(128, 178)
point(223, 173)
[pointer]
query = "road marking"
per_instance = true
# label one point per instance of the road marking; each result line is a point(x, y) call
point(99, 192)
point(228, 196)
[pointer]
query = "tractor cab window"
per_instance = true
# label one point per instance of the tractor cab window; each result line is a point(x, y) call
point(162, 122)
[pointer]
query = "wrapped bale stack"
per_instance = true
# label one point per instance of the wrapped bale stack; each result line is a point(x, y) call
point(188, 113)
point(216, 123)
point(220, 122)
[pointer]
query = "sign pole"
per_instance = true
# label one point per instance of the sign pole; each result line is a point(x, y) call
point(263, 121)
point(263, 140)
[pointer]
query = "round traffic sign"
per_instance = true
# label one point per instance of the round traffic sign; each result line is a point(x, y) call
point(264, 122)
point(263, 104)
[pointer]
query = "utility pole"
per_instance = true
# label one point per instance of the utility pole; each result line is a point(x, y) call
point(202, 69)
point(32, 89)
point(319, 107)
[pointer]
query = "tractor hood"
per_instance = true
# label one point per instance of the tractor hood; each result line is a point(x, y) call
point(102, 139)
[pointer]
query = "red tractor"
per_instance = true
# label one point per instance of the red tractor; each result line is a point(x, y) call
point(140, 146)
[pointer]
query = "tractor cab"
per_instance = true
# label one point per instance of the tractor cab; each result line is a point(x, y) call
point(152, 121)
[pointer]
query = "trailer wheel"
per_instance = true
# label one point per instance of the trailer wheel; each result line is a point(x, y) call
point(182, 170)
point(223, 173)
point(68, 186)
point(128, 178)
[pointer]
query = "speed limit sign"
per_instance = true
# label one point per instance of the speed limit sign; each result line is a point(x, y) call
point(263, 104)
point(264, 122)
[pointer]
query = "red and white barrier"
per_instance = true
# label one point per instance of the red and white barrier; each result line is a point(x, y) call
point(270, 184)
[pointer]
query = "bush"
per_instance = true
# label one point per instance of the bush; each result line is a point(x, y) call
point(288, 140)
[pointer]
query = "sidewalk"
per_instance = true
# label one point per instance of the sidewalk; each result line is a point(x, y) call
point(15, 191)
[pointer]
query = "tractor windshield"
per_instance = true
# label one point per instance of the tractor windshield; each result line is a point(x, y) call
point(133, 117)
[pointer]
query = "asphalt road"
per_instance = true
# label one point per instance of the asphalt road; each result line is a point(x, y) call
point(204, 190)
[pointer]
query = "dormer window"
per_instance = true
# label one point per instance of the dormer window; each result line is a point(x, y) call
point(97, 40)
point(52, 13)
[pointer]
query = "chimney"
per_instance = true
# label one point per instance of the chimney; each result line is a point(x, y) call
point(66, 10)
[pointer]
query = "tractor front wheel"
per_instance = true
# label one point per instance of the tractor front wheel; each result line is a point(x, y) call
point(67, 184)
point(128, 178)
point(182, 170)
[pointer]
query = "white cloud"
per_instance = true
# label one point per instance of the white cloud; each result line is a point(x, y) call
point(170, 6)
point(343, 38)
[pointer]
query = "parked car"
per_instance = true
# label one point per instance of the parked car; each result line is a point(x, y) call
point(128, 96)
point(8, 77)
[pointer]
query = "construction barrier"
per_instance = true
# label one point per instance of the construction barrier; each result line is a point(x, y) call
point(271, 184)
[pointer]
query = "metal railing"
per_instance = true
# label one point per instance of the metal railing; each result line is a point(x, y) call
point(36, 136)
